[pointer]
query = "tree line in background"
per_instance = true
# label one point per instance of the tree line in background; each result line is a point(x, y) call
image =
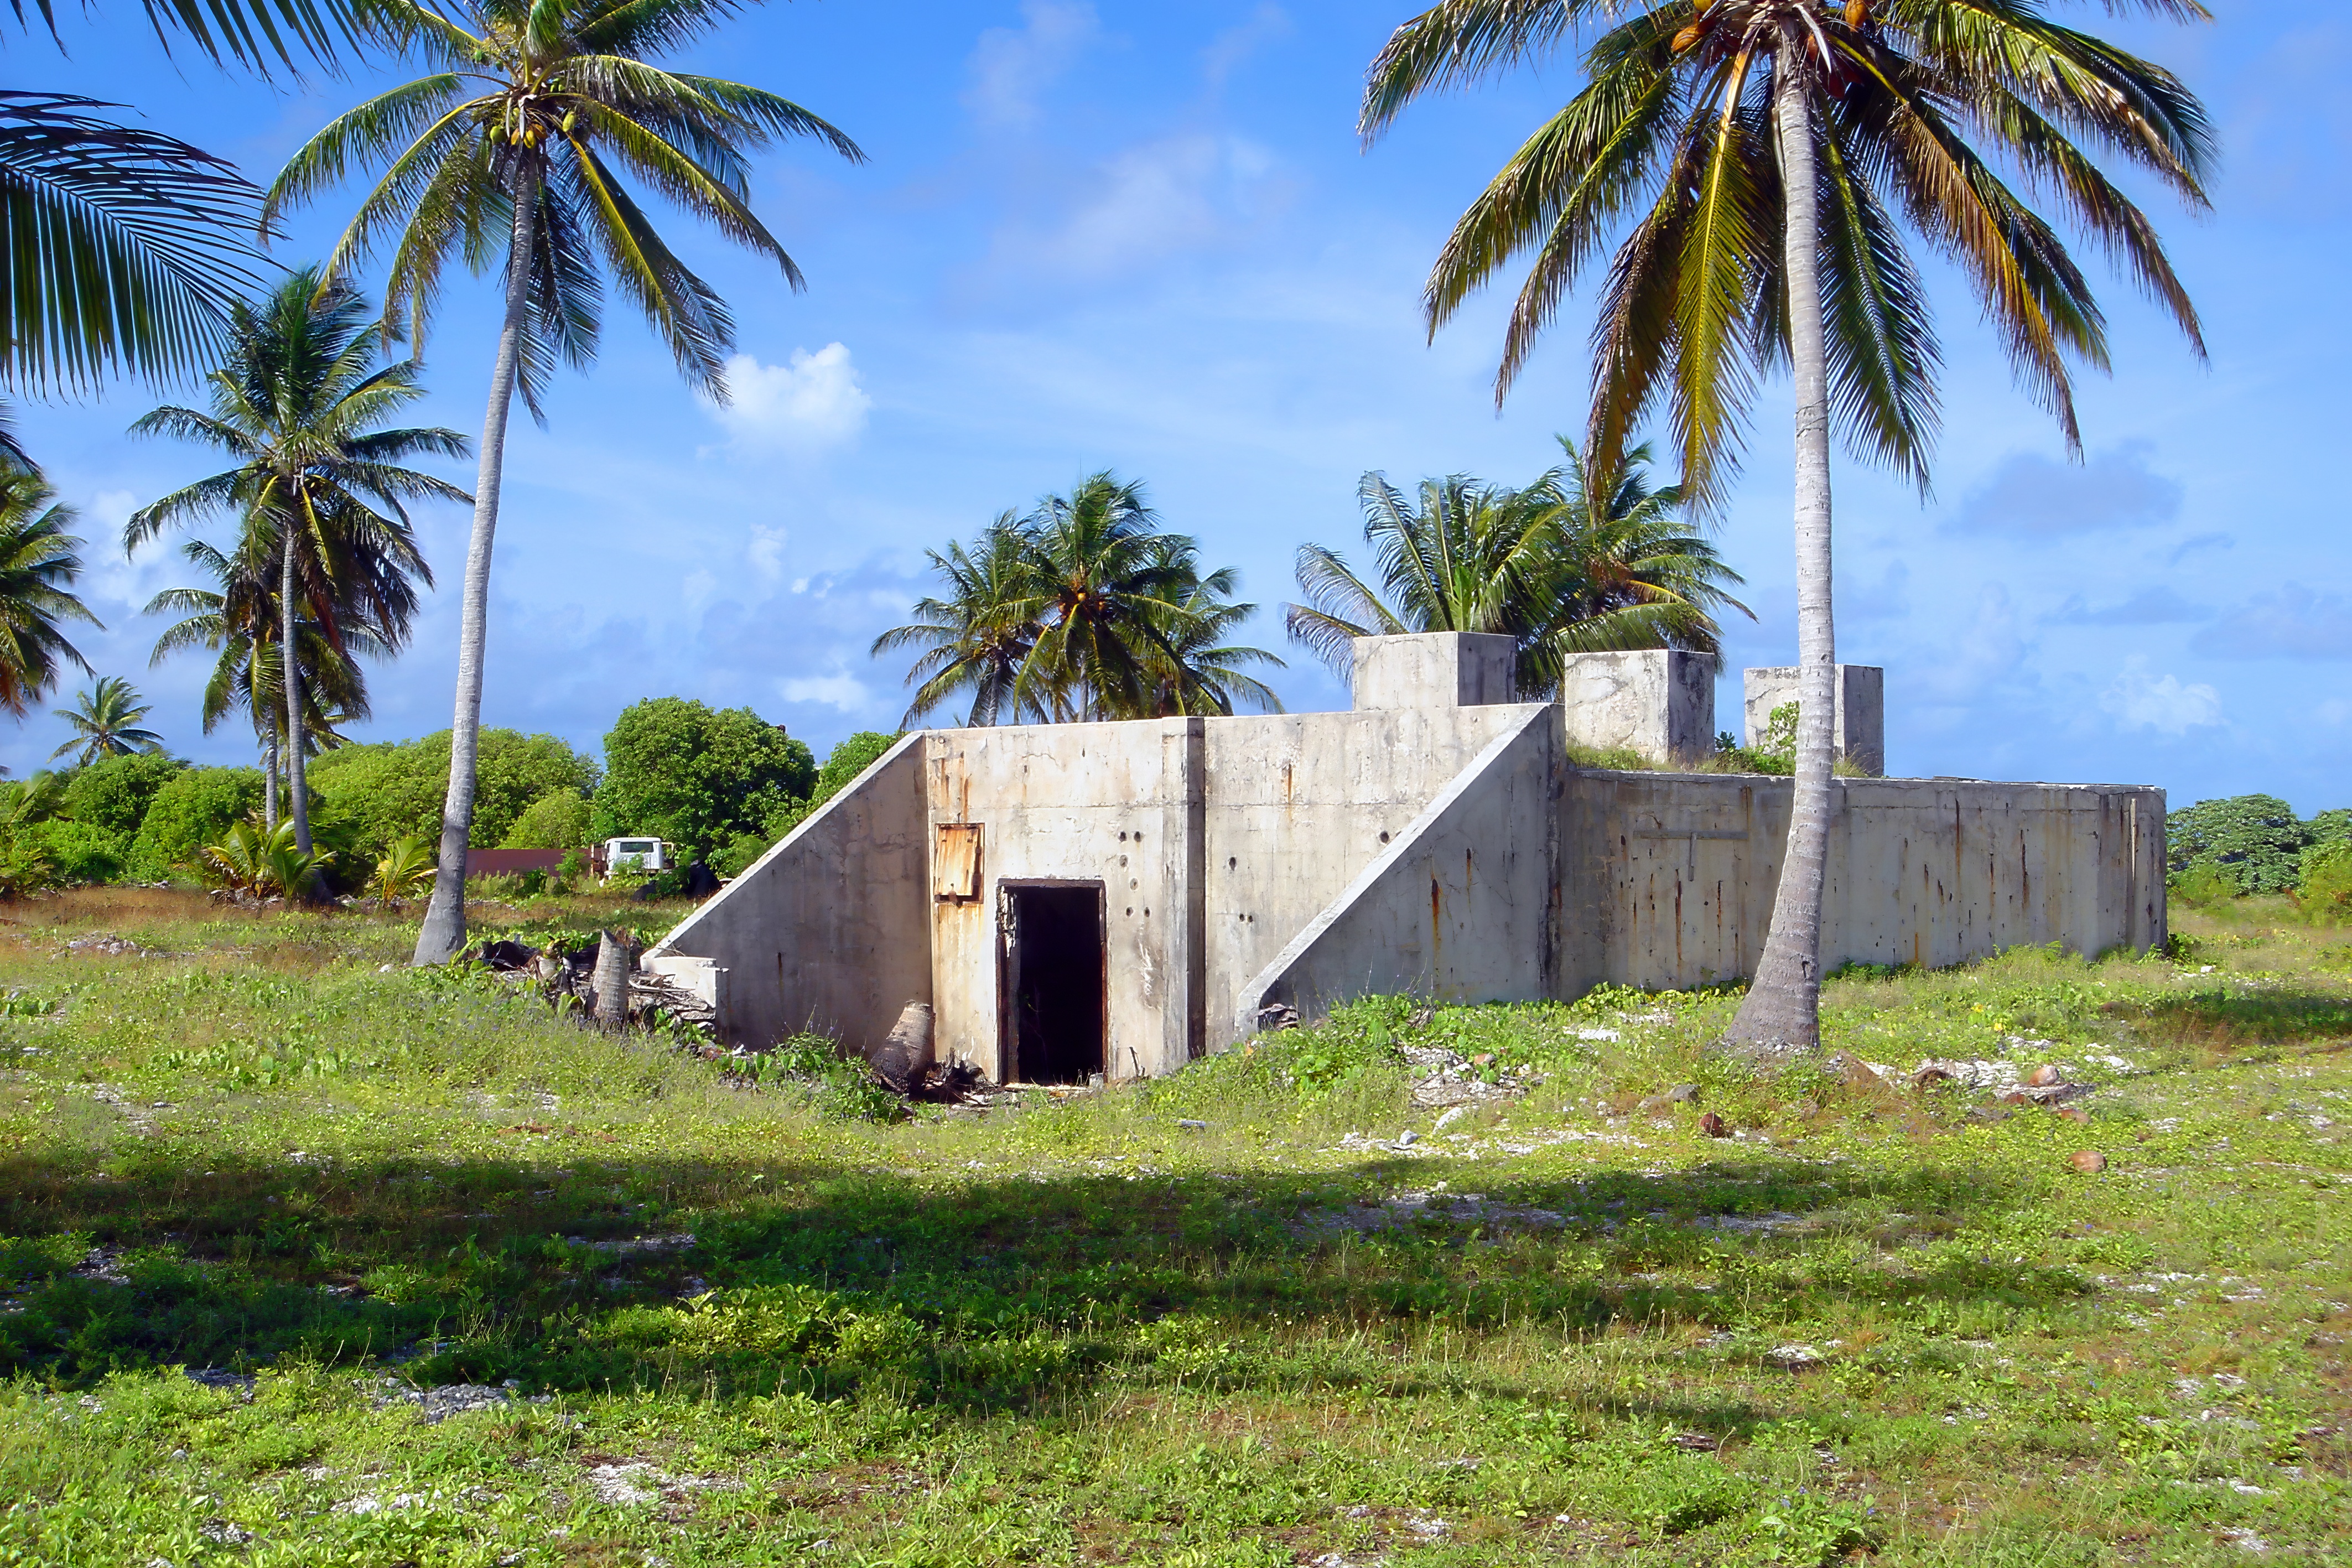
point(2249, 845)
point(719, 784)
point(1086, 609)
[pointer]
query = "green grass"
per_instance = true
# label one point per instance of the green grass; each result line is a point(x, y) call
point(1075, 1331)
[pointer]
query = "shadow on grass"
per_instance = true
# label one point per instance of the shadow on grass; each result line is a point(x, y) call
point(2241, 1019)
point(992, 1295)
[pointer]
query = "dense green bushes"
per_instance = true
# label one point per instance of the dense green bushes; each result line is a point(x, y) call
point(394, 789)
point(2247, 843)
point(698, 776)
point(848, 760)
point(193, 809)
point(556, 820)
point(115, 793)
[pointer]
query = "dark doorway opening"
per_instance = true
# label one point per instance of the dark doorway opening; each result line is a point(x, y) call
point(1054, 1020)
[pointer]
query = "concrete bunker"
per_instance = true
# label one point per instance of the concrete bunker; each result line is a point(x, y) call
point(1121, 898)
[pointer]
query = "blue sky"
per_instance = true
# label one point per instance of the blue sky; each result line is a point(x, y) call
point(1144, 237)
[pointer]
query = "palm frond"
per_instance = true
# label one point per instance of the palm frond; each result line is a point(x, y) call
point(120, 249)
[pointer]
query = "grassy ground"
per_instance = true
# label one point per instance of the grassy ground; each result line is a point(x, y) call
point(510, 1292)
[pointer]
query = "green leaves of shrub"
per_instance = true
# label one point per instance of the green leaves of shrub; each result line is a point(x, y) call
point(2252, 839)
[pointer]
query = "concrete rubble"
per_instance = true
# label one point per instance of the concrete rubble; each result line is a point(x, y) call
point(574, 975)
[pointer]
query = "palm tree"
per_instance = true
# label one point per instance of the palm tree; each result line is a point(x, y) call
point(1102, 586)
point(105, 722)
point(1632, 575)
point(301, 406)
point(1575, 562)
point(1194, 670)
point(519, 173)
point(238, 620)
point(253, 33)
point(1084, 609)
point(1466, 558)
point(974, 639)
point(1691, 112)
point(128, 247)
point(38, 562)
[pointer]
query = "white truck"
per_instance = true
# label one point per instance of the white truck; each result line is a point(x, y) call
point(640, 855)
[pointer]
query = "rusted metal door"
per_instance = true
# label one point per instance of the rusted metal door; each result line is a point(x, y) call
point(956, 862)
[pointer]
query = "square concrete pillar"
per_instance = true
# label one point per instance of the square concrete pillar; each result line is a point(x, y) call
point(1658, 701)
point(1859, 728)
point(1435, 670)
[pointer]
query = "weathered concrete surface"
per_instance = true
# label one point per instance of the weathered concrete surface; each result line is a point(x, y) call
point(1457, 906)
point(1112, 804)
point(1667, 879)
point(1215, 842)
point(824, 931)
point(1658, 701)
point(1299, 804)
point(1859, 726)
point(1434, 670)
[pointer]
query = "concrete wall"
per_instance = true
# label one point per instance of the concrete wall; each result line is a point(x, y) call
point(1114, 803)
point(1215, 842)
point(1446, 848)
point(1668, 879)
point(1656, 701)
point(1858, 728)
point(1299, 804)
point(1434, 670)
point(1460, 905)
point(828, 930)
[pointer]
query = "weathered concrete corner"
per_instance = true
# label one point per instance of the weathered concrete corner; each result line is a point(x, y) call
point(1859, 727)
point(1659, 703)
point(1434, 670)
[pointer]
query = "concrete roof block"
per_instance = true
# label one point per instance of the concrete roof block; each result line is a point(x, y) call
point(1435, 670)
point(1860, 723)
point(1658, 701)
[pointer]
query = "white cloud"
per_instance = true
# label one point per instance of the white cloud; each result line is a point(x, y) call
point(838, 689)
point(766, 551)
point(697, 587)
point(810, 403)
point(1180, 193)
point(1012, 67)
point(1235, 45)
point(2032, 496)
point(2160, 702)
point(113, 579)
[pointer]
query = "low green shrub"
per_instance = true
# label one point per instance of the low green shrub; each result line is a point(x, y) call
point(836, 1085)
point(194, 809)
point(2201, 885)
point(81, 854)
point(114, 792)
point(2254, 839)
point(2323, 874)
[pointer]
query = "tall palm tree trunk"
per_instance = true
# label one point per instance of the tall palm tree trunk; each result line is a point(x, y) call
point(269, 775)
point(297, 795)
point(444, 931)
point(1782, 1013)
